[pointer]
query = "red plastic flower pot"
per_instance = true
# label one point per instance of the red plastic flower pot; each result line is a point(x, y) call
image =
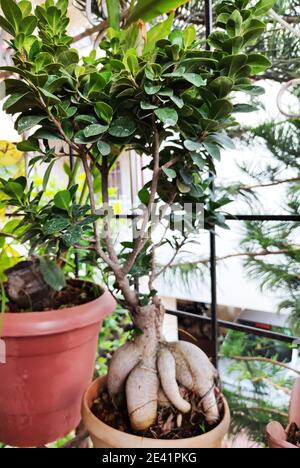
point(50, 359)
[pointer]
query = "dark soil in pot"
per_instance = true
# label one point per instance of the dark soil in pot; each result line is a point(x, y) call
point(294, 435)
point(171, 424)
point(75, 293)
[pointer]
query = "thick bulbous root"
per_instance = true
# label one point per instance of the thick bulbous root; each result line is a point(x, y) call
point(124, 360)
point(142, 397)
point(152, 377)
point(166, 366)
point(195, 372)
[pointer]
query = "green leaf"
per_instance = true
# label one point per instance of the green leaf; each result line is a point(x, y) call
point(148, 106)
point(221, 139)
point(47, 174)
point(221, 108)
point(258, 63)
point(198, 160)
point(233, 63)
point(84, 119)
point(152, 88)
point(55, 225)
point(221, 86)
point(28, 145)
point(244, 108)
point(122, 127)
point(193, 78)
point(28, 25)
point(104, 111)
point(167, 115)
point(234, 23)
point(94, 129)
point(13, 189)
point(104, 148)
point(170, 173)
point(178, 101)
point(12, 13)
point(113, 9)
point(97, 83)
point(13, 99)
point(158, 32)
point(73, 235)
point(29, 121)
point(191, 145)
point(131, 62)
point(213, 150)
point(52, 274)
point(189, 36)
point(182, 187)
point(25, 7)
point(253, 31)
point(147, 10)
point(144, 196)
point(49, 97)
point(62, 200)
point(4, 24)
point(263, 6)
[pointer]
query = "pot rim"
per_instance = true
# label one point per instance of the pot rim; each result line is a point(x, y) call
point(101, 428)
point(26, 324)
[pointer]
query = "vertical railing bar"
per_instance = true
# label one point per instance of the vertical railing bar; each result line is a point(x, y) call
point(212, 234)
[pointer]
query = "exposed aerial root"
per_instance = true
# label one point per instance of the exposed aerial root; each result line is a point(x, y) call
point(195, 372)
point(151, 371)
point(141, 392)
point(162, 399)
point(167, 373)
point(122, 363)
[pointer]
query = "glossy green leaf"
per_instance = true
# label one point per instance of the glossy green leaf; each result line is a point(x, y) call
point(170, 173)
point(113, 9)
point(213, 150)
point(104, 148)
point(258, 63)
point(147, 10)
point(167, 115)
point(28, 25)
point(221, 86)
point(47, 174)
point(104, 111)
point(193, 78)
point(12, 13)
point(221, 108)
point(221, 139)
point(158, 32)
point(95, 129)
point(152, 88)
point(263, 6)
point(244, 108)
point(28, 145)
point(122, 127)
point(192, 145)
point(189, 36)
point(144, 196)
point(62, 200)
point(29, 121)
point(55, 225)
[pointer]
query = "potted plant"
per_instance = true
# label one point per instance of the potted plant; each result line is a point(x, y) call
point(289, 438)
point(161, 93)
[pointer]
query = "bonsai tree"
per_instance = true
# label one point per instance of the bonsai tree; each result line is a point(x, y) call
point(157, 91)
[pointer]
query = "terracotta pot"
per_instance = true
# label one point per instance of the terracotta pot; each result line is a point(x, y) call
point(104, 436)
point(50, 360)
point(276, 435)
